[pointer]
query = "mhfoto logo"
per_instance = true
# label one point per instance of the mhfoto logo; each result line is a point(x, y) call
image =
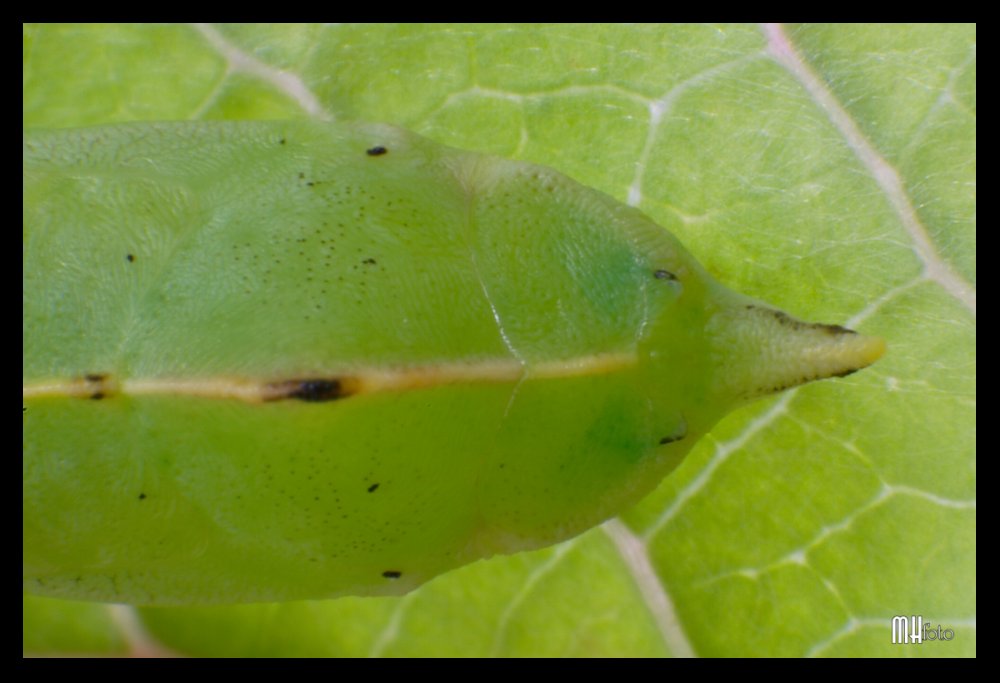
point(913, 630)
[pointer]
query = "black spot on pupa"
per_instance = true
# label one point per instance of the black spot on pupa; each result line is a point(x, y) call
point(281, 141)
point(369, 261)
point(318, 390)
point(142, 496)
point(309, 390)
point(678, 434)
point(371, 489)
point(129, 257)
point(664, 275)
point(392, 574)
point(376, 151)
point(833, 330)
point(96, 384)
point(791, 323)
point(845, 373)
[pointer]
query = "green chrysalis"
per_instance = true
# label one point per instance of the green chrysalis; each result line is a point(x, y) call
point(284, 360)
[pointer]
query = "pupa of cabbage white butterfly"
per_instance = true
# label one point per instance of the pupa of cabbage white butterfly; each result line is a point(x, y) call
point(284, 360)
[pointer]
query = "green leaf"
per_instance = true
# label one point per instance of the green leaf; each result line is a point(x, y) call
point(829, 170)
